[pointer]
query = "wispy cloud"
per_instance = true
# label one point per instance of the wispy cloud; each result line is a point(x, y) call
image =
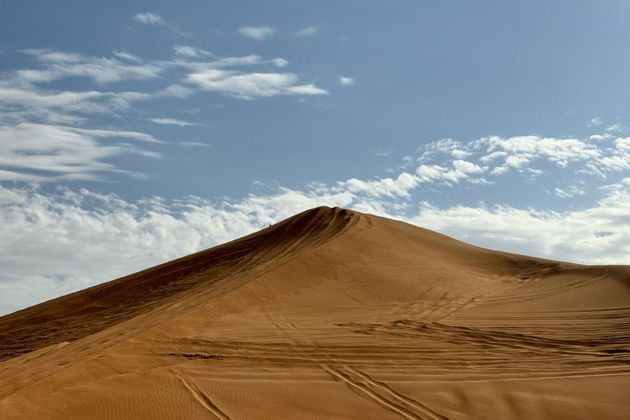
point(616, 158)
point(309, 31)
point(251, 85)
point(29, 94)
point(172, 121)
point(148, 18)
point(598, 137)
point(60, 65)
point(346, 81)
point(212, 75)
point(43, 152)
point(279, 62)
point(188, 51)
point(43, 134)
point(126, 56)
point(256, 32)
point(194, 144)
point(568, 192)
point(615, 128)
point(23, 104)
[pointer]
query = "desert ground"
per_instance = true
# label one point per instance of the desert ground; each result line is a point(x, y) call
point(330, 314)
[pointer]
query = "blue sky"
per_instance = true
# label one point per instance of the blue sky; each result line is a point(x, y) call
point(136, 132)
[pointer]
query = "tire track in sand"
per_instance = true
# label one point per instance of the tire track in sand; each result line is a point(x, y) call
point(384, 396)
point(202, 398)
point(395, 394)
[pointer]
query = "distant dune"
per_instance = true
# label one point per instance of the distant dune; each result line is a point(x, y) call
point(330, 314)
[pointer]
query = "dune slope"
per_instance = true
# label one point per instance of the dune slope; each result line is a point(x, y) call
point(329, 314)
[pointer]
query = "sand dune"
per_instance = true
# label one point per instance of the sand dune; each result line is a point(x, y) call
point(329, 314)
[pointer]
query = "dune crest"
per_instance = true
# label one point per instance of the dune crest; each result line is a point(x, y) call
point(329, 314)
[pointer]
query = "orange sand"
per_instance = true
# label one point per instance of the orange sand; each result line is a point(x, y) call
point(329, 314)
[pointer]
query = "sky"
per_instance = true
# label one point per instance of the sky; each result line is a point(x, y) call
point(132, 133)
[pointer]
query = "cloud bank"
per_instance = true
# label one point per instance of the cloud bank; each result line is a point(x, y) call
point(77, 234)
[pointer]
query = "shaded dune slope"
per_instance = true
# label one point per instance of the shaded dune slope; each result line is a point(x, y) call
point(88, 311)
point(329, 314)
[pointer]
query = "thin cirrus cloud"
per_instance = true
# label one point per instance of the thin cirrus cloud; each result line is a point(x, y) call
point(25, 103)
point(188, 51)
point(148, 18)
point(21, 98)
point(152, 19)
point(60, 65)
point(172, 121)
point(346, 81)
point(256, 32)
point(44, 152)
point(568, 192)
point(309, 31)
point(43, 129)
point(216, 74)
point(193, 144)
point(251, 85)
point(615, 128)
point(126, 56)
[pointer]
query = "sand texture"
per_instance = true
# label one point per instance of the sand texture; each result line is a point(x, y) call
point(330, 314)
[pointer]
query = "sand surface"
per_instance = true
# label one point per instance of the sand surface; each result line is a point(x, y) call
point(330, 314)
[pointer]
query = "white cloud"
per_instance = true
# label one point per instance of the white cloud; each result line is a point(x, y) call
point(193, 144)
point(310, 31)
point(251, 85)
point(466, 167)
point(445, 146)
point(172, 121)
point(209, 75)
point(178, 91)
point(29, 95)
point(595, 122)
point(519, 152)
point(60, 65)
point(66, 107)
point(346, 81)
point(280, 62)
point(38, 152)
point(615, 128)
point(599, 155)
point(308, 89)
point(126, 56)
point(599, 234)
point(461, 170)
point(188, 51)
point(256, 32)
point(600, 137)
point(398, 187)
point(148, 18)
point(247, 60)
point(569, 192)
point(618, 158)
